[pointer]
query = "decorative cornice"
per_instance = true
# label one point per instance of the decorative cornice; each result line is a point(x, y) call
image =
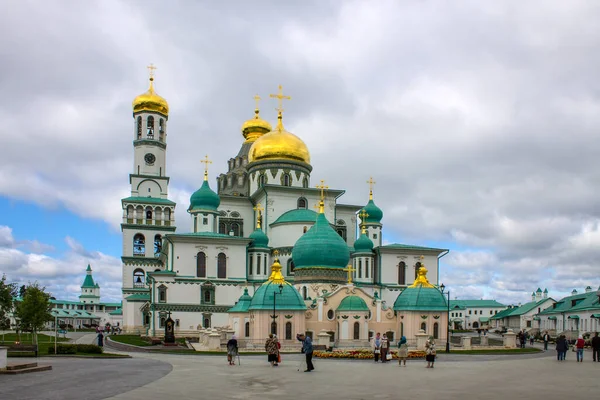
point(191, 307)
point(148, 142)
point(141, 261)
point(148, 227)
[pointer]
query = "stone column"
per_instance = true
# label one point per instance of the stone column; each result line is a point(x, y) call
point(323, 338)
point(3, 355)
point(510, 339)
point(484, 341)
point(378, 309)
point(320, 309)
point(214, 341)
point(465, 341)
point(421, 339)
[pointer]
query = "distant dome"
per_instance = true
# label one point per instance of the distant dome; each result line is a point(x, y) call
point(204, 199)
point(290, 298)
point(255, 128)
point(375, 215)
point(279, 145)
point(421, 296)
point(353, 303)
point(363, 244)
point(259, 238)
point(150, 101)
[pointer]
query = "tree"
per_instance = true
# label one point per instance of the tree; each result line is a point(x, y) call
point(33, 310)
point(7, 292)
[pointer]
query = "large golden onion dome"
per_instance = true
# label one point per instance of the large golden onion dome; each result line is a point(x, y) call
point(150, 101)
point(255, 127)
point(279, 145)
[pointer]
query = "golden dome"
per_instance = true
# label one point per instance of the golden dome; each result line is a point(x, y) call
point(279, 145)
point(255, 127)
point(150, 101)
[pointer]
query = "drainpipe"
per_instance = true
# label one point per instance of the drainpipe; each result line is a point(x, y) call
point(152, 308)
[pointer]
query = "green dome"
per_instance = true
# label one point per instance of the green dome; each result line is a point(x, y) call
point(259, 238)
point(421, 296)
point(243, 303)
point(375, 213)
point(299, 215)
point(353, 303)
point(321, 247)
point(289, 300)
point(363, 244)
point(204, 199)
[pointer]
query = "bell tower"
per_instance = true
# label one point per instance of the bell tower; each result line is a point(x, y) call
point(148, 214)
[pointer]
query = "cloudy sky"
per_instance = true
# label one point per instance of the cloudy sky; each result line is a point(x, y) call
point(478, 120)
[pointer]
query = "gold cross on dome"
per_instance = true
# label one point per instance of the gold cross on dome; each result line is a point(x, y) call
point(280, 97)
point(257, 100)
point(151, 69)
point(258, 210)
point(363, 215)
point(349, 270)
point(323, 188)
point(206, 161)
point(371, 182)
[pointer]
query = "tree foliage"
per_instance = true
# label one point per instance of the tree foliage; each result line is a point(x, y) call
point(7, 292)
point(33, 310)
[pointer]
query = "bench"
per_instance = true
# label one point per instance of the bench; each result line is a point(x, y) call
point(22, 348)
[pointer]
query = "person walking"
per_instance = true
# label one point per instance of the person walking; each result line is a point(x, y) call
point(376, 346)
point(546, 339)
point(580, 344)
point(531, 339)
point(232, 350)
point(430, 352)
point(272, 350)
point(596, 347)
point(100, 339)
point(561, 347)
point(402, 351)
point(385, 348)
point(307, 349)
point(278, 348)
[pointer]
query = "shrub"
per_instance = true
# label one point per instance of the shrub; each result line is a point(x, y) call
point(89, 349)
point(75, 348)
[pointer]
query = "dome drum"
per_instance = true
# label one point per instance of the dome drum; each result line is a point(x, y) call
point(321, 275)
point(255, 166)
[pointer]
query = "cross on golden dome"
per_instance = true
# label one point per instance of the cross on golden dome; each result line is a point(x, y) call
point(371, 182)
point(206, 161)
point(280, 97)
point(259, 211)
point(151, 69)
point(257, 100)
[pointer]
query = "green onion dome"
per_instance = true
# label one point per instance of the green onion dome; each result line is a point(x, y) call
point(289, 299)
point(320, 247)
point(259, 238)
point(243, 303)
point(204, 199)
point(421, 296)
point(374, 213)
point(353, 303)
point(363, 244)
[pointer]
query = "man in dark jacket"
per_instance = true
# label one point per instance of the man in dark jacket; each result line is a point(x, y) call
point(596, 347)
point(307, 349)
point(546, 340)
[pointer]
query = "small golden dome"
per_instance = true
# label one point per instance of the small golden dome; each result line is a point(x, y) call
point(255, 127)
point(279, 145)
point(150, 101)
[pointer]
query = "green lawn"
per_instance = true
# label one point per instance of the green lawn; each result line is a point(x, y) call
point(134, 340)
point(44, 342)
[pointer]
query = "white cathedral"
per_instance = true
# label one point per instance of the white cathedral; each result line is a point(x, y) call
point(263, 208)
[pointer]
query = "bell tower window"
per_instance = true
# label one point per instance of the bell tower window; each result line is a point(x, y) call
point(150, 127)
point(139, 128)
point(161, 130)
point(157, 245)
point(286, 180)
point(138, 278)
point(139, 245)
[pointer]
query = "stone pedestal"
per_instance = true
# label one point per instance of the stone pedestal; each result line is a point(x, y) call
point(229, 334)
point(465, 341)
point(484, 341)
point(214, 341)
point(510, 339)
point(323, 338)
point(421, 339)
point(3, 355)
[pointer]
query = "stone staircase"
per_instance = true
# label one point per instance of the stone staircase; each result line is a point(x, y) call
point(14, 369)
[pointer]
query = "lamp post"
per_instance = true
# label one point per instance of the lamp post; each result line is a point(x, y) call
point(442, 287)
point(275, 293)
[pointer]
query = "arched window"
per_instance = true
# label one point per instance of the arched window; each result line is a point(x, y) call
point(161, 130)
point(304, 293)
point(150, 127)
point(357, 331)
point(149, 213)
point(139, 128)
point(222, 228)
point(360, 268)
point(330, 314)
point(401, 329)
point(291, 267)
point(139, 278)
point(206, 322)
point(201, 265)
point(167, 216)
point(157, 245)
point(251, 265)
point(435, 331)
point(235, 228)
point(161, 323)
point(417, 268)
point(402, 273)
point(288, 331)
point(139, 245)
point(424, 327)
point(207, 297)
point(162, 294)
point(262, 180)
point(221, 266)
point(366, 267)
point(305, 183)
point(247, 329)
point(286, 180)
point(302, 203)
point(274, 328)
point(259, 261)
point(304, 229)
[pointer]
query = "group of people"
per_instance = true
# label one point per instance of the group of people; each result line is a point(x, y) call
point(381, 350)
point(562, 346)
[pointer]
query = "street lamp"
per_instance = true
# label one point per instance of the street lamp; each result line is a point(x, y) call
point(274, 324)
point(442, 287)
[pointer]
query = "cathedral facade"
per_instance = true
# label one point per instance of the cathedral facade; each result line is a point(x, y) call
point(264, 223)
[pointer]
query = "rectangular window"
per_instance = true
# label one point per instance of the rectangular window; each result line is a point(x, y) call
point(204, 221)
point(374, 236)
point(469, 312)
point(177, 323)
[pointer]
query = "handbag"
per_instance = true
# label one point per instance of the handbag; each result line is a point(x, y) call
point(388, 356)
point(377, 351)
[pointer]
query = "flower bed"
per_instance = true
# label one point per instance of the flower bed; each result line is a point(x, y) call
point(363, 354)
